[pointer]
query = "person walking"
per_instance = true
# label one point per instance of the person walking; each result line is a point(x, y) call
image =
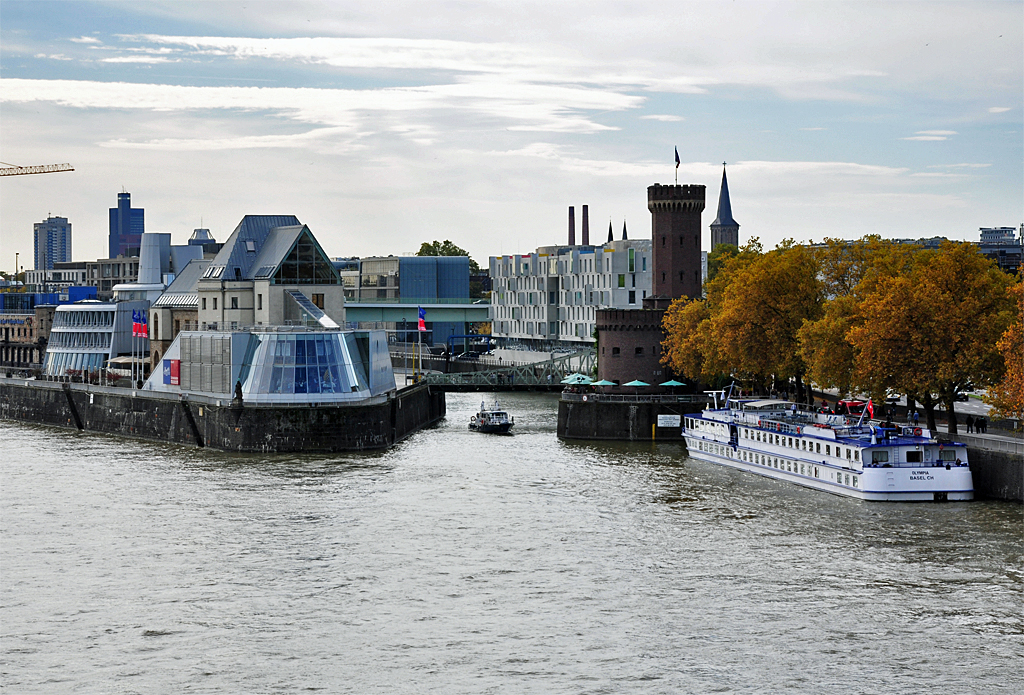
point(916, 418)
point(970, 424)
point(982, 425)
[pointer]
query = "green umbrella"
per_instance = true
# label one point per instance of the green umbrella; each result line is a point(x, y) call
point(576, 379)
point(636, 382)
point(603, 382)
point(672, 382)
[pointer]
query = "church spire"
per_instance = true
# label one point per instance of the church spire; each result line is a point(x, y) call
point(610, 237)
point(724, 230)
point(624, 237)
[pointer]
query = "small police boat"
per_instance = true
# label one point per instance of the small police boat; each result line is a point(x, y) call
point(492, 420)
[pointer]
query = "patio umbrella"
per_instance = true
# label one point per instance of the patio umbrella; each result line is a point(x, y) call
point(603, 382)
point(637, 383)
point(672, 382)
point(576, 379)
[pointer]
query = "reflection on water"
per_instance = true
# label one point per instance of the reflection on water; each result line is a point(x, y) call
point(459, 562)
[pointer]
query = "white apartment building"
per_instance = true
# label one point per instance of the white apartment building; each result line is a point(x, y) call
point(552, 295)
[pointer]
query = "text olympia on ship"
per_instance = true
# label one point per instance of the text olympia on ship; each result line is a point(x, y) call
point(834, 453)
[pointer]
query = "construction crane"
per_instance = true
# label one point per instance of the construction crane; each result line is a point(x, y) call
point(13, 170)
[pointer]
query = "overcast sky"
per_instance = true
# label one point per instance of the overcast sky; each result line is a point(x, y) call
point(382, 125)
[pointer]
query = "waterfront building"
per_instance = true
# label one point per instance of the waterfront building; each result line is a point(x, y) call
point(551, 296)
point(279, 365)
point(724, 230)
point(87, 334)
point(416, 280)
point(270, 272)
point(52, 239)
point(127, 224)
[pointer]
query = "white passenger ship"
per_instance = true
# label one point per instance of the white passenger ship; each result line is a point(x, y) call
point(834, 453)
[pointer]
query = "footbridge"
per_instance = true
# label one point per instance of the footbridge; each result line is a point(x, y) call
point(533, 376)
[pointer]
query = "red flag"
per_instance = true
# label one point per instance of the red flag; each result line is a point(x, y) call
point(871, 409)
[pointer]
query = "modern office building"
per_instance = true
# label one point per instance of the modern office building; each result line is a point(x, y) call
point(550, 297)
point(724, 230)
point(52, 242)
point(61, 276)
point(127, 225)
point(420, 280)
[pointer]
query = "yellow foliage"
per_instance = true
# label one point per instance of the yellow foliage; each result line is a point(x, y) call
point(1007, 396)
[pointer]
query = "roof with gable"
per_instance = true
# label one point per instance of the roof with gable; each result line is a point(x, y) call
point(247, 244)
point(183, 291)
point(724, 218)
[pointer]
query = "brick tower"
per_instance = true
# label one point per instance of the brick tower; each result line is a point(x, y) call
point(675, 238)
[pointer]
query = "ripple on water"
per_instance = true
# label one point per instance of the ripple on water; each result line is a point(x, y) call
point(462, 563)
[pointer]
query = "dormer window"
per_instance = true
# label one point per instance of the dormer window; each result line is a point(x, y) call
point(250, 246)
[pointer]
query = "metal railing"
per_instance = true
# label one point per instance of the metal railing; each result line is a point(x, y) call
point(634, 398)
point(548, 373)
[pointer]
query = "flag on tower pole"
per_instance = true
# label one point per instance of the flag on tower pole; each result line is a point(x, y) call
point(677, 165)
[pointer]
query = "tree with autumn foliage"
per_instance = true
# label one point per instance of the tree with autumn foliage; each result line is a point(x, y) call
point(747, 324)
point(932, 332)
point(1007, 396)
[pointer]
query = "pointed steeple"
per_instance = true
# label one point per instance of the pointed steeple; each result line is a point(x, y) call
point(624, 237)
point(610, 237)
point(724, 230)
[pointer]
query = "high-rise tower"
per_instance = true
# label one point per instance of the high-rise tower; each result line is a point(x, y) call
point(675, 238)
point(724, 230)
point(52, 242)
point(127, 224)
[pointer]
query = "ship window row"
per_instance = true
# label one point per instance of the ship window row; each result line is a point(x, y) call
point(777, 463)
point(801, 444)
point(73, 319)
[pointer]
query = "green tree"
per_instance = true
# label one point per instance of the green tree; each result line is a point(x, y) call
point(718, 257)
point(447, 248)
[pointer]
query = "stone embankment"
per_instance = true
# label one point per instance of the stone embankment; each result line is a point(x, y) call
point(222, 423)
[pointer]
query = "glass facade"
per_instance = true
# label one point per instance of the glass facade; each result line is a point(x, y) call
point(306, 265)
point(306, 363)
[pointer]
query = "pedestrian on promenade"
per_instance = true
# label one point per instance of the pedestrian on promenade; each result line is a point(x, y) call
point(982, 425)
point(916, 417)
point(970, 424)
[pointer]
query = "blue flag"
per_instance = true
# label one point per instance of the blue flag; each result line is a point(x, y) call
point(677, 158)
point(423, 319)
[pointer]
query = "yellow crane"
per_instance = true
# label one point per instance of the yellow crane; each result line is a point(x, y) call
point(13, 170)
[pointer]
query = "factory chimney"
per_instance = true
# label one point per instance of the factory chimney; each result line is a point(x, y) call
point(572, 226)
point(586, 226)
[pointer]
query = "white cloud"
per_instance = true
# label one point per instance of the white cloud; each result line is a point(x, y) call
point(956, 166)
point(999, 109)
point(668, 118)
point(819, 128)
point(86, 39)
point(526, 107)
point(137, 59)
point(932, 135)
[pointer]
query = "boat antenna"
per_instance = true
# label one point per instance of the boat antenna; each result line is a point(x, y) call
point(728, 396)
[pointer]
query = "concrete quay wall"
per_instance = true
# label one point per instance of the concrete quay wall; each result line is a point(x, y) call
point(620, 420)
point(997, 465)
point(218, 424)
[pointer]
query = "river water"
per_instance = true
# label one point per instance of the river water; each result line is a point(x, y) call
point(466, 563)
